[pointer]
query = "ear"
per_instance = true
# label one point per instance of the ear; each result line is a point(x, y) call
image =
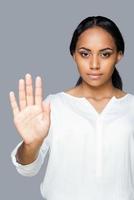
point(119, 56)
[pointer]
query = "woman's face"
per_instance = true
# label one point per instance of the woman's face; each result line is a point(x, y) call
point(96, 53)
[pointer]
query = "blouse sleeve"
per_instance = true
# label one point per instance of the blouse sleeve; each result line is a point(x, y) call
point(33, 168)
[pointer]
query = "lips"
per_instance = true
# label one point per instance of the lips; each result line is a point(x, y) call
point(94, 76)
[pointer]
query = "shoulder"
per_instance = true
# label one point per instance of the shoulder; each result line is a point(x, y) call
point(53, 97)
point(132, 97)
point(130, 102)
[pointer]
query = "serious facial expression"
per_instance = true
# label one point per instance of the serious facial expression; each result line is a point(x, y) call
point(96, 54)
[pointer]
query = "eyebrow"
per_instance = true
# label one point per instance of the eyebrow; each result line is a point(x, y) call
point(99, 50)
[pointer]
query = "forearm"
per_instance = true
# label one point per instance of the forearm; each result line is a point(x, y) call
point(27, 153)
point(28, 159)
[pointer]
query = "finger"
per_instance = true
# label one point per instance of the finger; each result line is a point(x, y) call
point(29, 90)
point(22, 94)
point(13, 103)
point(38, 91)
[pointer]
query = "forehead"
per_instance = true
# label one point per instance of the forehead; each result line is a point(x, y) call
point(96, 37)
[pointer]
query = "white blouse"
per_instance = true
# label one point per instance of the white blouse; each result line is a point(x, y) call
point(89, 155)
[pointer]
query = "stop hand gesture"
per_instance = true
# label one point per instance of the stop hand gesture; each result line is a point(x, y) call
point(32, 115)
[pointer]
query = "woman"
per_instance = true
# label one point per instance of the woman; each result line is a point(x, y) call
point(87, 131)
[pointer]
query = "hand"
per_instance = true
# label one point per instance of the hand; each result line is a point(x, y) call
point(32, 115)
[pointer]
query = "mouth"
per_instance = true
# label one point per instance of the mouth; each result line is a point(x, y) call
point(94, 76)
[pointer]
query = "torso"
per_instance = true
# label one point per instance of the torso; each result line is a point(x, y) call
point(98, 104)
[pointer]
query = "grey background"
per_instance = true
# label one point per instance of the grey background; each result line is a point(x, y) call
point(35, 38)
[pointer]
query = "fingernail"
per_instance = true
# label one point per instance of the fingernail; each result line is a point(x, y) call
point(28, 75)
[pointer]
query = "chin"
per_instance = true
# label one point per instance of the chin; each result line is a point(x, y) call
point(92, 84)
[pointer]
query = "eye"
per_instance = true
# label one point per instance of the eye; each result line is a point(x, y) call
point(84, 54)
point(105, 55)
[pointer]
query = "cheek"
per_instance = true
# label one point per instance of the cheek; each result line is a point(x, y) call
point(105, 64)
point(82, 63)
point(108, 70)
point(83, 67)
point(108, 64)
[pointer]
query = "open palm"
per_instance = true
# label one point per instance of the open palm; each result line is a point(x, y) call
point(32, 115)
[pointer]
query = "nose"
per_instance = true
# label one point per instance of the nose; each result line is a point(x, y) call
point(94, 62)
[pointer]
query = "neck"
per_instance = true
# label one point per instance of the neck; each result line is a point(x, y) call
point(105, 91)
